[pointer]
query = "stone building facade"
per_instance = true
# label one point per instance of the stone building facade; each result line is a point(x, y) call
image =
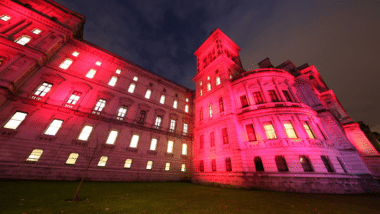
point(67, 105)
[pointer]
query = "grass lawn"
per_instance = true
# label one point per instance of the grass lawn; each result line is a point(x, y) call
point(169, 197)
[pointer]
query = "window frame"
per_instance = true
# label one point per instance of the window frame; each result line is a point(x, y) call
point(257, 97)
point(72, 158)
point(121, 115)
point(170, 147)
point(270, 133)
point(112, 82)
point(98, 109)
point(225, 136)
point(19, 123)
point(65, 65)
point(23, 43)
point(33, 159)
point(102, 161)
point(81, 133)
point(44, 89)
point(127, 163)
point(112, 141)
point(91, 73)
point(51, 128)
point(289, 129)
point(228, 164)
point(131, 88)
point(147, 95)
point(134, 143)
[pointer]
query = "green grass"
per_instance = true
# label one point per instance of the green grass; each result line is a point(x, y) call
point(169, 197)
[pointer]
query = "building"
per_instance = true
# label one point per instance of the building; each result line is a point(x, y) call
point(67, 105)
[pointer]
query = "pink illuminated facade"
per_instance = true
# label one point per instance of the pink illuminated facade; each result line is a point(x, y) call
point(65, 103)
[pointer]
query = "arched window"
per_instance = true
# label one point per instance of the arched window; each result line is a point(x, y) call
point(327, 163)
point(210, 110)
point(341, 164)
point(281, 164)
point(228, 164)
point(221, 105)
point(259, 164)
point(306, 165)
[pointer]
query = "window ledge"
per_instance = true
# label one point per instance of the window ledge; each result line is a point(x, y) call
point(169, 154)
point(151, 152)
point(79, 142)
point(108, 146)
point(129, 149)
point(47, 138)
point(8, 133)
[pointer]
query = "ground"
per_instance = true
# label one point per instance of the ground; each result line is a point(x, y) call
point(169, 197)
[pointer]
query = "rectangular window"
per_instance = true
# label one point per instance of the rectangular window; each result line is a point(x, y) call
point(184, 149)
point(99, 106)
point(5, 18)
point(170, 147)
point(23, 40)
point(103, 161)
point(185, 129)
point(273, 96)
point(221, 105)
point(201, 114)
point(75, 54)
point(36, 31)
point(208, 86)
point(289, 129)
point(128, 163)
point(149, 165)
point(66, 64)
point(72, 158)
point(112, 137)
point(217, 80)
point(257, 97)
point(327, 163)
point(112, 81)
point(35, 155)
point(98, 63)
point(308, 130)
point(134, 141)
point(153, 144)
point(210, 110)
point(228, 164)
point(201, 142)
point(269, 131)
point(175, 104)
point(225, 136)
point(135, 78)
point(15, 120)
point(74, 97)
point(167, 167)
point(320, 130)
point(213, 165)
point(157, 123)
point(148, 93)
point(244, 101)
point(172, 125)
point(142, 116)
point(131, 88)
point(250, 132)
point(91, 73)
point(162, 99)
point(212, 139)
point(287, 96)
point(341, 164)
point(201, 166)
point(118, 71)
point(187, 108)
point(85, 133)
point(183, 168)
point(121, 112)
point(43, 89)
point(54, 127)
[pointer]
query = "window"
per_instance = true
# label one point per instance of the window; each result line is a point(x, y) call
point(269, 131)
point(213, 165)
point(228, 164)
point(134, 141)
point(172, 125)
point(250, 132)
point(201, 142)
point(91, 73)
point(118, 71)
point(98, 63)
point(208, 77)
point(149, 165)
point(5, 18)
point(148, 93)
point(74, 97)
point(201, 166)
point(43, 89)
point(162, 99)
point(187, 99)
point(200, 83)
point(170, 147)
point(287, 96)
point(308, 130)
point(306, 165)
point(281, 164)
point(167, 167)
point(66, 64)
point(259, 164)
point(257, 97)
point(225, 136)
point(128, 163)
point(175, 104)
point(187, 108)
point(184, 149)
point(112, 81)
point(244, 101)
point(201, 114)
point(183, 168)
point(99, 106)
point(36, 31)
point(210, 109)
point(35, 155)
point(320, 130)
point(103, 161)
point(157, 123)
point(142, 116)
point(208, 86)
point(112, 137)
point(201, 92)
point(72, 158)
point(212, 139)
point(23, 40)
point(341, 164)
point(221, 105)
point(135, 78)
point(75, 54)
point(131, 88)
point(85, 133)
point(273, 96)
point(53, 127)
point(185, 129)
point(217, 80)
point(15, 120)
point(289, 129)
point(327, 163)
point(121, 112)
point(153, 144)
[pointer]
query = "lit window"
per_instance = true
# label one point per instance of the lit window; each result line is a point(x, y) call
point(131, 88)
point(66, 64)
point(5, 18)
point(15, 120)
point(91, 73)
point(308, 130)
point(85, 134)
point(43, 89)
point(187, 99)
point(184, 149)
point(74, 97)
point(162, 99)
point(289, 129)
point(98, 63)
point(149, 165)
point(72, 158)
point(210, 110)
point(201, 142)
point(153, 144)
point(54, 127)
point(121, 112)
point(230, 76)
point(167, 167)
point(225, 136)
point(35, 155)
point(118, 71)
point(175, 104)
point(187, 108)
point(23, 40)
point(75, 54)
point(112, 81)
point(185, 128)
point(135, 78)
point(269, 130)
point(200, 83)
point(148, 93)
point(183, 168)
point(250, 132)
point(157, 123)
point(172, 125)
point(134, 141)
point(112, 137)
point(201, 92)
point(208, 86)
point(36, 31)
point(103, 161)
point(99, 106)
point(170, 147)
point(217, 80)
point(128, 163)
point(208, 77)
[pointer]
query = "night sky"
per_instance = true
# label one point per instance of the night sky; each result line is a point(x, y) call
point(340, 37)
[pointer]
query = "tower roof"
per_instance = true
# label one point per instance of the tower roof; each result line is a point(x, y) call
point(217, 33)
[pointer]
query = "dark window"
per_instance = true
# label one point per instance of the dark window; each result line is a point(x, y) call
point(228, 164)
point(201, 166)
point(327, 163)
point(341, 164)
point(142, 116)
point(259, 164)
point(221, 105)
point(273, 96)
point(257, 97)
point(201, 114)
point(320, 130)
point(250, 132)
point(287, 96)
point(201, 142)
point(244, 101)
point(212, 139)
point(281, 164)
point(306, 165)
point(225, 136)
point(213, 165)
